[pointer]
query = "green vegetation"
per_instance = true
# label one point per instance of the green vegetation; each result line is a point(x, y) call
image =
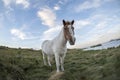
point(27, 64)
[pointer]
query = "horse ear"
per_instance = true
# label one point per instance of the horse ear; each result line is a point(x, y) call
point(63, 22)
point(72, 22)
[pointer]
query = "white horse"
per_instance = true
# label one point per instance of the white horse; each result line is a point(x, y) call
point(57, 46)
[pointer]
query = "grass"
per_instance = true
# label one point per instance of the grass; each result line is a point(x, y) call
point(27, 64)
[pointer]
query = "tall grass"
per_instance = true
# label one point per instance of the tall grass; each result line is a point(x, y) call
point(27, 64)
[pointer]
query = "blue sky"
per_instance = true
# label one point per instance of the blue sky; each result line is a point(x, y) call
point(27, 23)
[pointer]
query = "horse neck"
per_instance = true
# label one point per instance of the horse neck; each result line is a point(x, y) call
point(61, 38)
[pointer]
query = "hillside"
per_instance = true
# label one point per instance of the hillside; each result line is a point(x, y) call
point(27, 64)
point(109, 44)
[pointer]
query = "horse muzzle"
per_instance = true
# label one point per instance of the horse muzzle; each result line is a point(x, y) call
point(72, 41)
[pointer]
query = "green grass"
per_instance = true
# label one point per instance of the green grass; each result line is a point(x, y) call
point(27, 64)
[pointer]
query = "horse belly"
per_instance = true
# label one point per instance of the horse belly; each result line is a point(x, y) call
point(49, 51)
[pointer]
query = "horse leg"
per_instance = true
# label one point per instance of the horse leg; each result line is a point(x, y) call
point(49, 60)
point(62, 62)
point(57, 58)
point(44, 60)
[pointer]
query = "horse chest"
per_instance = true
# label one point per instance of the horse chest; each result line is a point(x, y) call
point(60, 50)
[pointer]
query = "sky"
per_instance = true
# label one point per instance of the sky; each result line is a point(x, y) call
point(27, 23)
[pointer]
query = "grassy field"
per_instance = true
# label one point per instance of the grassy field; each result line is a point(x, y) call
point(27, 64)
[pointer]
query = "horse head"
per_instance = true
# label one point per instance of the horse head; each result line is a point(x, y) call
point(69, 31)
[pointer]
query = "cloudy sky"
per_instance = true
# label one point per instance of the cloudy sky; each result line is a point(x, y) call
point(27, 23)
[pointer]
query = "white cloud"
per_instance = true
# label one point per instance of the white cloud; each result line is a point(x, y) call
point(101, 25)
point(56, 7)
point(50, 33)
point(90, 4)
point(47, 16)
point(25, 3)
point(8, 3)
point(81, 23)
point(60, 2)
point(19, 34)
point(98, 21)
point(87, 5)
